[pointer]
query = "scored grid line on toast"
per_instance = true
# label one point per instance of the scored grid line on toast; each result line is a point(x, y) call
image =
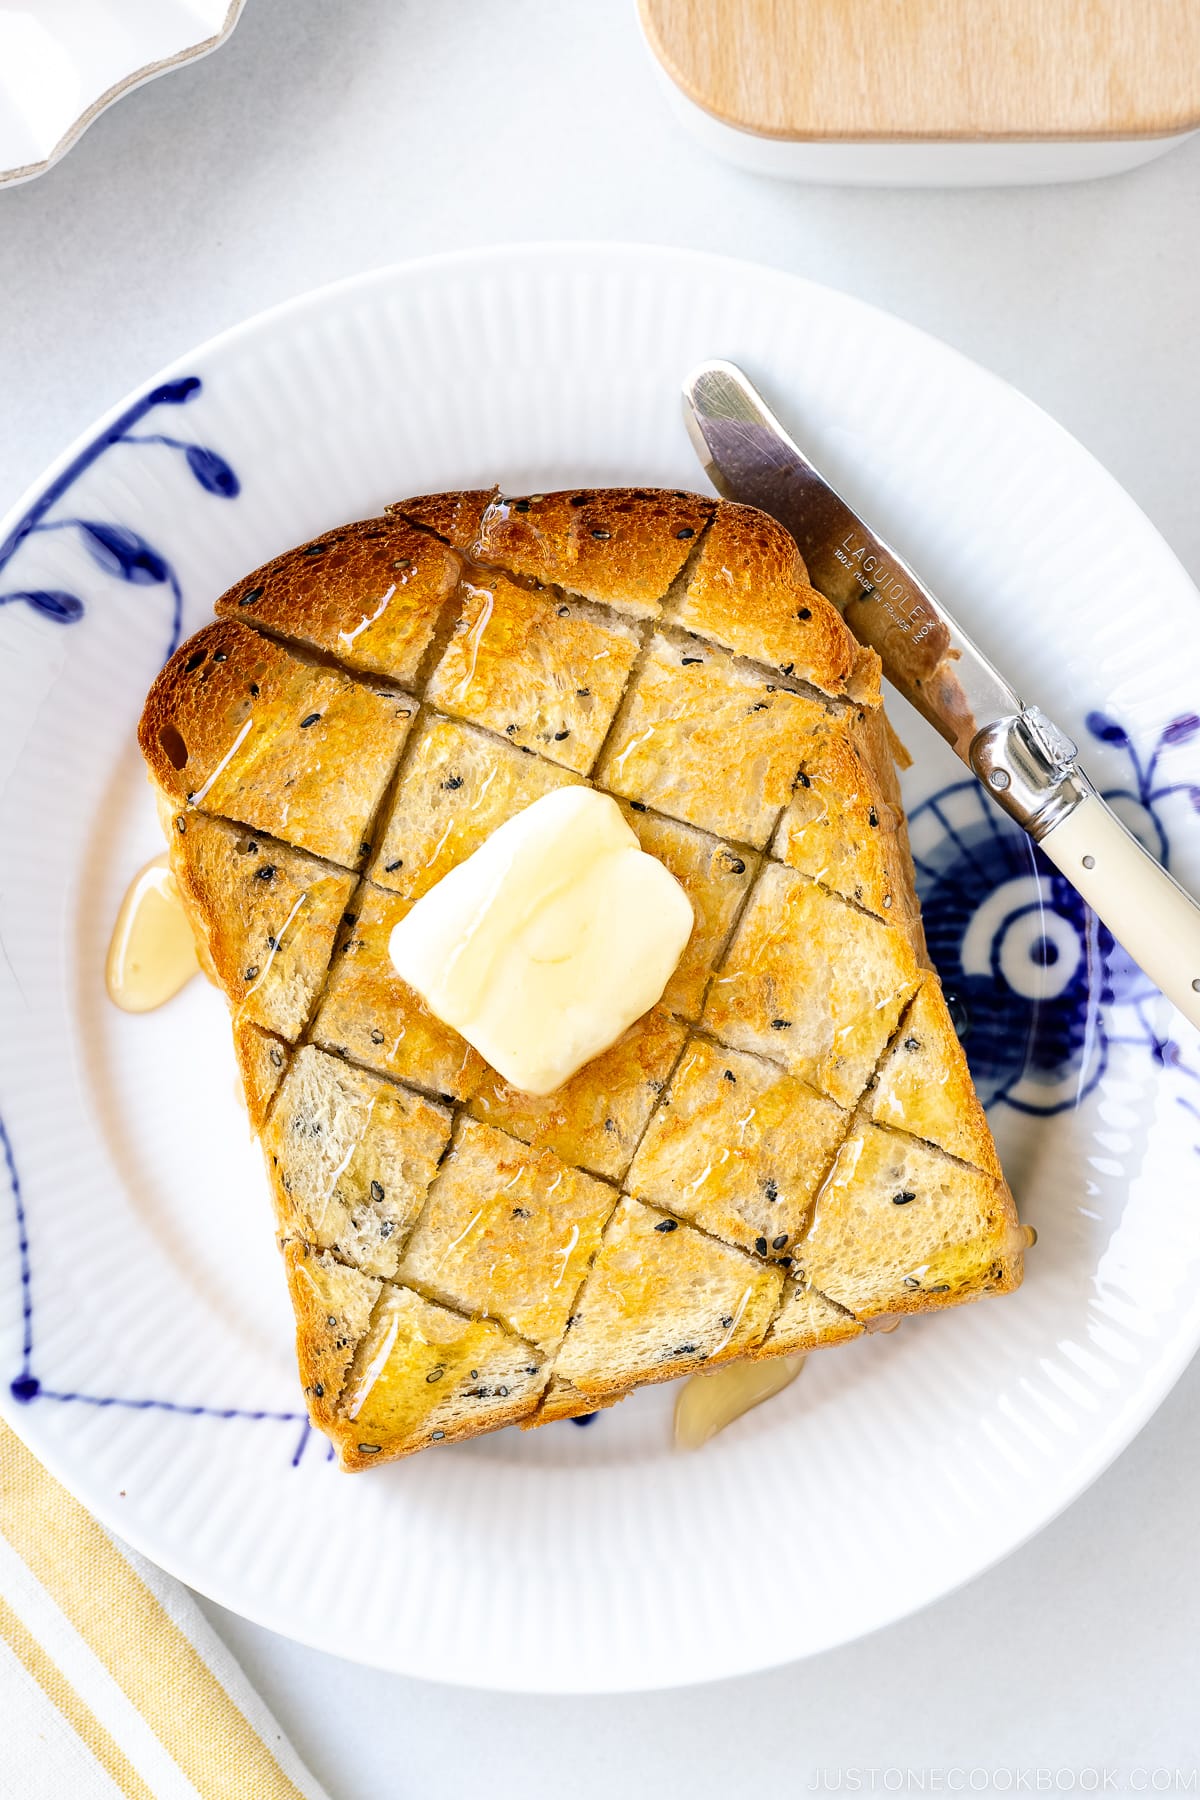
point(388, 1286)
point(450, 610)
point(422, 1290)
point(646, 629)
point(854, 1115)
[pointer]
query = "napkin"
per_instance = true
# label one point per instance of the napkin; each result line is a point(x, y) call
point(111, 1682)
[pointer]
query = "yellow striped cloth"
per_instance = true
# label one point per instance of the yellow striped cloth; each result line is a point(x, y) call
point(111, 1682)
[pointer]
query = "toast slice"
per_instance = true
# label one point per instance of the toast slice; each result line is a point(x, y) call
point(782, 1152)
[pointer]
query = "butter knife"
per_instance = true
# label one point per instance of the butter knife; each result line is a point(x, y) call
point(1021, 757)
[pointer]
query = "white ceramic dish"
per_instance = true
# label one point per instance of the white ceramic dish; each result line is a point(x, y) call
point(144, 1332)
point(64, 61)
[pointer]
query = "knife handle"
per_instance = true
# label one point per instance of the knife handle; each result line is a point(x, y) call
point(1148, 913)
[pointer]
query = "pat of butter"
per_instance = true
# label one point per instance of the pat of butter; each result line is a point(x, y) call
point(547, 943)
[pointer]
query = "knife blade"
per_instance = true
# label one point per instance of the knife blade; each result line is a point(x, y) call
point(1023, 759)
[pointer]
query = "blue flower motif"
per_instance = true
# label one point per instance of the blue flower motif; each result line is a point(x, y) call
point(1031, 975)
point(120, 551)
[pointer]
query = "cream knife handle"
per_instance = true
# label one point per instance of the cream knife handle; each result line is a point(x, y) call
point(1148, 913)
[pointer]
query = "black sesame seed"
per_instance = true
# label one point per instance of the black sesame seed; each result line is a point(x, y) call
point(770, 1189)
point(598, 533)
point(276, 1055)
point(193, 662)
point(272, 942)
point(311, 720)
point(265, 873)
point(685, 662)
point(910, 1281)
point(452, 782)
point(387, 1228)
point(331, 1321)
point(638, 805)
point(435, 1435)
point(760, 1244)
point(685, 1350)
point(254, 689)
point(760, 706)
point(903, 1197)
point(377, 1190)
point(943, 1287)
point(912, 1043)
point(220, 656)
point(369, 1449)
point(727, 1320)
point(250, 596)
point(780, 1242)
point(786, 668)
point(376, 1035)
point(252, 971)
point(583, 693)
point(520, 506)
point(364, 849)
point(872, 817)
point(687, 532)
point(502, 1392)
point(610, 1124)
point(511, 730)
point(314, 549)
point(393, 866)
point(436, 1374)
point(781, 1024)
point(667, 1225)
point(802, 778)
point(729, 1075)
point(318, 1391)
point(736, 865)
point(520, 1212)
point(804, 612)
point(564, 612)
point(560, 735)
point(181, 824)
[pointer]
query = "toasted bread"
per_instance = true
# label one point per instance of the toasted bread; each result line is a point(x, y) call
point(786, 1147)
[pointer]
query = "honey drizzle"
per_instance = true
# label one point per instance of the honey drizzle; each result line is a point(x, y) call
point(152, 954)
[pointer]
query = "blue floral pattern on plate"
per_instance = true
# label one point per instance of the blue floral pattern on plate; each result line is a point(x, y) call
point(117, 549)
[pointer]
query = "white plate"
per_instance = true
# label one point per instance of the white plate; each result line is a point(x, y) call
point(63, 62)
point(158, 1379)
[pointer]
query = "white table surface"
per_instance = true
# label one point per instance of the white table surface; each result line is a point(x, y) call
point(325, 139)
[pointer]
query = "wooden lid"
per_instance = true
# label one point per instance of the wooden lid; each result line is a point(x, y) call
point(895, 69)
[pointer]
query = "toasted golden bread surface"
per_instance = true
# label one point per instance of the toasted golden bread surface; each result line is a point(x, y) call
point(786, 1147)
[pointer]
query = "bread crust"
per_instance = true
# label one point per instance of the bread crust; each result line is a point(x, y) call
point(750, 592)
point(243, 727)
point(461, 1256)
point(370, 594)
